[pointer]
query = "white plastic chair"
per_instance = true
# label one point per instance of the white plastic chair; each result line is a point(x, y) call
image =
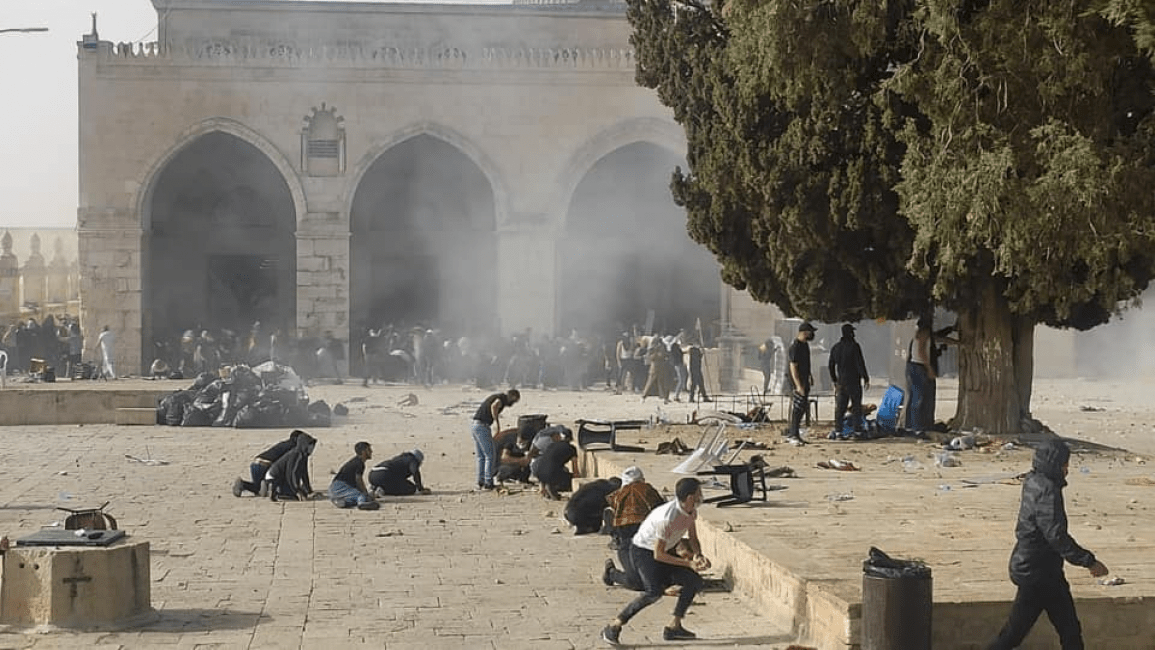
point(705, 452)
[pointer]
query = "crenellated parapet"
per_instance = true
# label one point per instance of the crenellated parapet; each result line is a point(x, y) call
point(292, 54)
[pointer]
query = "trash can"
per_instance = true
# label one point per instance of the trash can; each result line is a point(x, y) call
point(897, 603)
point(529, 425)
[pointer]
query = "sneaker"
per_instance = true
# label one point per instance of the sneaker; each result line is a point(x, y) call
point(797, 441)
point(610, 634)
point(677, 634)
point(368, 505)
point(264, 489)
point(609, 582)
point(238, 487)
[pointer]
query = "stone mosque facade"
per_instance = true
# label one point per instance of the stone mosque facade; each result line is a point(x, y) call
point(328, 167)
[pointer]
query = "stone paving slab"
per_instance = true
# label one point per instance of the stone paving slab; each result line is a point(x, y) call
point(456, 569)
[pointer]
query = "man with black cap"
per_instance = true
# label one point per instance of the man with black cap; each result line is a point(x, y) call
point(1042, 544)
point(800, 379)
point(848, 372)
point(391, 477)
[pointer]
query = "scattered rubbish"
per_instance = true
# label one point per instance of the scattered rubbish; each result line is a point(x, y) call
point(846, 496)
point(944, 488)
point(1092, 409)
point(947, 459)
point(1010, 446)
point(147, 460)
point(1112, 582)
point(910, 464)
point(1084, 470)
point(62, 473)
point(881, 565)
point(840, 465)
point(675, 446)
point(408, 400)
point(728, 528)
point(781, 472)
point(391, 533)
point(555, 531)
point(962, 443)
point(64, 496)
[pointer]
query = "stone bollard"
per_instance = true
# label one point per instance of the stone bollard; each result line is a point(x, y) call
point(75, 587)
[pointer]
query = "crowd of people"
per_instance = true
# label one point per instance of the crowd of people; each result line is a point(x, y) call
point(56, 342)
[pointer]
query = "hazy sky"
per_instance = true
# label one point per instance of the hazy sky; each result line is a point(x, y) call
point(38, 108)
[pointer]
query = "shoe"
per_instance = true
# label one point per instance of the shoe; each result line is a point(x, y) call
point(797, 441)
point(368, 505)
point(486, 486)
point(609, 582)
point(611, 634)
point(677, 634)
point(707, 400)
point(264, 489)
point(238, 487)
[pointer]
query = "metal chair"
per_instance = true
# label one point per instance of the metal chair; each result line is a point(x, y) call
point(747, 481)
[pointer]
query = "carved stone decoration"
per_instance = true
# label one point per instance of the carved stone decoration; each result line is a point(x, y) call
point(323, 143)
point(33, 276)
point(58, 281)
point(9, 278)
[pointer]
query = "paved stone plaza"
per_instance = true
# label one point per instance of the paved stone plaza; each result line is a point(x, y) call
point(460, 569)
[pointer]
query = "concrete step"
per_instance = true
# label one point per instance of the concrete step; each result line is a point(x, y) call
point(129, 415)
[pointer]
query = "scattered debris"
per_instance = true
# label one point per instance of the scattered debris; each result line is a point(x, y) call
point(146, 461)
point(846, 496)
point(781, 472)
point(675, 446)
point(391, 533)
point(1092, 409)
point(408, 400)
point(1112, 582)
point(840, 465)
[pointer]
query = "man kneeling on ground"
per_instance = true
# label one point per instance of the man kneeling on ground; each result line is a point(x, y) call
point(629, 506)
point(348, 486)
point(391, 477)
point(260, 466)
point(288, 477)
point(584, 509)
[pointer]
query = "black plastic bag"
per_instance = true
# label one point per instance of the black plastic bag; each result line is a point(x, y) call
point(881, 565)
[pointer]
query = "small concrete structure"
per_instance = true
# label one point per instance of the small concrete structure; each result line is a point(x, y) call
point(75, 587)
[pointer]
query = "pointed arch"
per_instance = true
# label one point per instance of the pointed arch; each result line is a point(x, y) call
point(147, 181)
point(665, 134)
point(441, 132)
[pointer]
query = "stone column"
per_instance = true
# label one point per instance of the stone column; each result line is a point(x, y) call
point(527, 293)
point(323, 281)
point(9, 282)
point(110, 262)
point(33, 277)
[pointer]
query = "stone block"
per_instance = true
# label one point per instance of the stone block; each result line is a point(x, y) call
point(75, 587)
point(136, 416)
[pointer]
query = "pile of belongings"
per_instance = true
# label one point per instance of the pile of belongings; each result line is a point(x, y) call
point(268, 395)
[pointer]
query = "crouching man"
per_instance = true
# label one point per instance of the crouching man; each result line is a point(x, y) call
point(391, 477)
point(348, 487)
point(652, 551)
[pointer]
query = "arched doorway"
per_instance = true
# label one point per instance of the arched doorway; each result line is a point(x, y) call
point(423, 249)
point(625, 253)
point(219, 250)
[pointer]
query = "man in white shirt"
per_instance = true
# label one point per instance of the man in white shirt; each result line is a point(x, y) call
point(652, 552)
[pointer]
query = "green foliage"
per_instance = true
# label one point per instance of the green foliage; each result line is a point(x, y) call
point(855, 159)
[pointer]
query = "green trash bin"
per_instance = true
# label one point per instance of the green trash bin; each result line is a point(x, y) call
point(897, 603)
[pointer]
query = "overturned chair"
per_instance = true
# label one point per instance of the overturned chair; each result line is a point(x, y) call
point(747, 481)
point(605, 432)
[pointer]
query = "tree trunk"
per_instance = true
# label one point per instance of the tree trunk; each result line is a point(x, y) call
point(996, 367)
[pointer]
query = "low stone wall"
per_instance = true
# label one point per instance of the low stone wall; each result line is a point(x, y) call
point(72, 406)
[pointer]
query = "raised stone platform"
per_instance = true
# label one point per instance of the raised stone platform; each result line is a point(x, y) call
point(799, 555)
point(83, 402)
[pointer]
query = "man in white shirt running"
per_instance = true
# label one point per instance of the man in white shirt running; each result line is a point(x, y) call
point(652, 552)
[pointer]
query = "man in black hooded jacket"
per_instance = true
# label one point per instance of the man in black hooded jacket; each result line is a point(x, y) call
point(288, 477)
point(1042, 544)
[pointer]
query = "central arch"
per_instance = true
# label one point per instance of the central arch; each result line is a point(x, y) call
point(423, 249)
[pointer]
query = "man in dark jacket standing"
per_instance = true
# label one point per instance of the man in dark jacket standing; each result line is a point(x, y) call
point(1042, 544)
point(848, 373)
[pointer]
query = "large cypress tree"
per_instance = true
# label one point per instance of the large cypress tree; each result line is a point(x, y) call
point(851, 160)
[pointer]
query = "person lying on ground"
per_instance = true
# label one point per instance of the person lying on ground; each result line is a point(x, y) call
point(348, 487)
point(391, 477)
point(288, 476)
point(552, 474)
point(652, 552)
point(260, 466)
point(628, 506)
point(584, 509)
